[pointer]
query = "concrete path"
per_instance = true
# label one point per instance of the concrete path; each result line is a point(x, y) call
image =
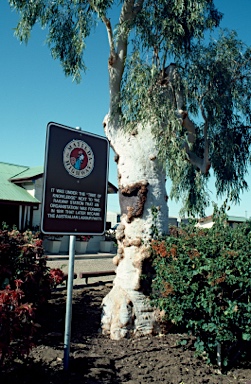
point(85, 263)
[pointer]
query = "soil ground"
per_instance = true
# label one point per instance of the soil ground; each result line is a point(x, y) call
point(95, 359)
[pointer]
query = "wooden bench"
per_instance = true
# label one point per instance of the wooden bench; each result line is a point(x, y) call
point(86, 275)
point(65, 277)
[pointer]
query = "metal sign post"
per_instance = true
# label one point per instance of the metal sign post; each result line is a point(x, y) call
point(67, 334)
point(74, 194)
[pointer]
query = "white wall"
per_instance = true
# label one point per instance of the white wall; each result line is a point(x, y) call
point(112, 217)
point(209, 224)
point(38, 186)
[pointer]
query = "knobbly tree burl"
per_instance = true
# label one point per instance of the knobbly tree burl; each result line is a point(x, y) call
point(179, 108)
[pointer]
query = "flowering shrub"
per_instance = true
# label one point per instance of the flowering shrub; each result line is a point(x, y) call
point(16, 323)
point(202, 282)
point(56, 276)
point(54, 237)
point(25, 284)
point(110, 235)
point(21, 257)
point(84, 237)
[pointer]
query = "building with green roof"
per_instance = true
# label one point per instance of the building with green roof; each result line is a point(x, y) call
point(232, 221)
point(21, 195)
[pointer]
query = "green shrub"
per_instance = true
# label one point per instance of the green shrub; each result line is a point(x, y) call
point(203, 283)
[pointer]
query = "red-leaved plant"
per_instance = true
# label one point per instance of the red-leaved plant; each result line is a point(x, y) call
point(25, 285)
point(85, 238)
point(56, 276)
point(17, 324)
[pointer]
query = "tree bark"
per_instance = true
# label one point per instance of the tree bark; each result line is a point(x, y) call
point(126, 309)
point(141, 182)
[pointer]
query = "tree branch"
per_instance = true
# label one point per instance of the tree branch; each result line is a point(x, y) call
point(202, 164)
point(117, 58)
point(172, 77)
point(118, 53)
point(108, 26)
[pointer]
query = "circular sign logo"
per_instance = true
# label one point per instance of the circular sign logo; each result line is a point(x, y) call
point(78, 159)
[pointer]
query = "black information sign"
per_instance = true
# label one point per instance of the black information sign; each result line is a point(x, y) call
point(75, 182)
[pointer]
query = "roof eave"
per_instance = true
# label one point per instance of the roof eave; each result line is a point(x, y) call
point(24, 179)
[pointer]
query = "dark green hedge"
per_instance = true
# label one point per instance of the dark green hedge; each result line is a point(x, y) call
point(203, 283)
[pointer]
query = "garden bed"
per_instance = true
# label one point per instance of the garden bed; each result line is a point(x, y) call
point(97, 359)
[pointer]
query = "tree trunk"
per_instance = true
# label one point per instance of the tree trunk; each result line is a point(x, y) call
point(126, 309)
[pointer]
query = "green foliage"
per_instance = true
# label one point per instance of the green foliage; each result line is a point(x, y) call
point(68, 24)
point(212, 81)
point(216, 90)
point(217, 79)
point(190, 187)
point(172, 25)
point(203, 283)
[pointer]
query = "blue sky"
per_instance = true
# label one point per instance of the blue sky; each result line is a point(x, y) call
point(35, 91)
